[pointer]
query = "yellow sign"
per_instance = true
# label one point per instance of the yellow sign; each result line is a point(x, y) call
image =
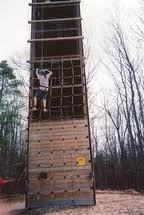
point(81, 161)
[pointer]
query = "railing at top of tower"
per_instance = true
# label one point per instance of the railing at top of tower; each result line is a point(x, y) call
point(57, 3)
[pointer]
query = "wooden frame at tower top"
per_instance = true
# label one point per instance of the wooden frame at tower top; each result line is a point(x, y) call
point(54, 2)
point(56, 39)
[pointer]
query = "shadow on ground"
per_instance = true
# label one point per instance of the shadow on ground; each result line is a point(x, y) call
point(28, 212)
point(42, 211)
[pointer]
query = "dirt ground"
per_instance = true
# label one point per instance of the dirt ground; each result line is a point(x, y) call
point(108, 203)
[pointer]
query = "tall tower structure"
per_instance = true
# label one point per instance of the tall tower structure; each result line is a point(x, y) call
point(60, 169)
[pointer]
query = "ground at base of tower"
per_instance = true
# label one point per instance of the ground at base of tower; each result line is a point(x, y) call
point(108, 202)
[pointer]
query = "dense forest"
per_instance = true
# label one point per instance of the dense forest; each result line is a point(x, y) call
point(12, 127)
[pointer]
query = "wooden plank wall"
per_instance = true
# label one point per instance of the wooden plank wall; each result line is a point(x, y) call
point(60, 151)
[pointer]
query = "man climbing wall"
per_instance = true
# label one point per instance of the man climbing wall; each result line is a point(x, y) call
point(43, 75)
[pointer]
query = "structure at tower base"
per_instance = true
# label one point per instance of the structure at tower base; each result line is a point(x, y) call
point(59, 164)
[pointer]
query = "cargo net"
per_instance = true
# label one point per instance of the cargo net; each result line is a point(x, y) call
point(66, 92)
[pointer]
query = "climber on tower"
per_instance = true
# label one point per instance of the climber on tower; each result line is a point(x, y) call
point(43, 75)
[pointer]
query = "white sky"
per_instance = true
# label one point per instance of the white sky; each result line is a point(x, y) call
point(15, 31)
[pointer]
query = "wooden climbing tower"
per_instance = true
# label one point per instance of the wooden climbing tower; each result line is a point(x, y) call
point(60, 167)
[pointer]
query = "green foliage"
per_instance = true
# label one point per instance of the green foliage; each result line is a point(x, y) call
point(6, 71)
point(5, 118)
point(10, 119)
point(8, 83)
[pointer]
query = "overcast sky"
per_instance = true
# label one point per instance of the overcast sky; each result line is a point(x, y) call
point(15, 31)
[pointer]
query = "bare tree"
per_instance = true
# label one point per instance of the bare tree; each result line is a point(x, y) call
point(123, 122)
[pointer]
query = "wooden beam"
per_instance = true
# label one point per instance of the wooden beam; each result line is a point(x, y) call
point(57, 58)
point(55, 20)
point(56, 30)
point(55, 3)
point(49, 60)
point(56, 39)
point(65, 86)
